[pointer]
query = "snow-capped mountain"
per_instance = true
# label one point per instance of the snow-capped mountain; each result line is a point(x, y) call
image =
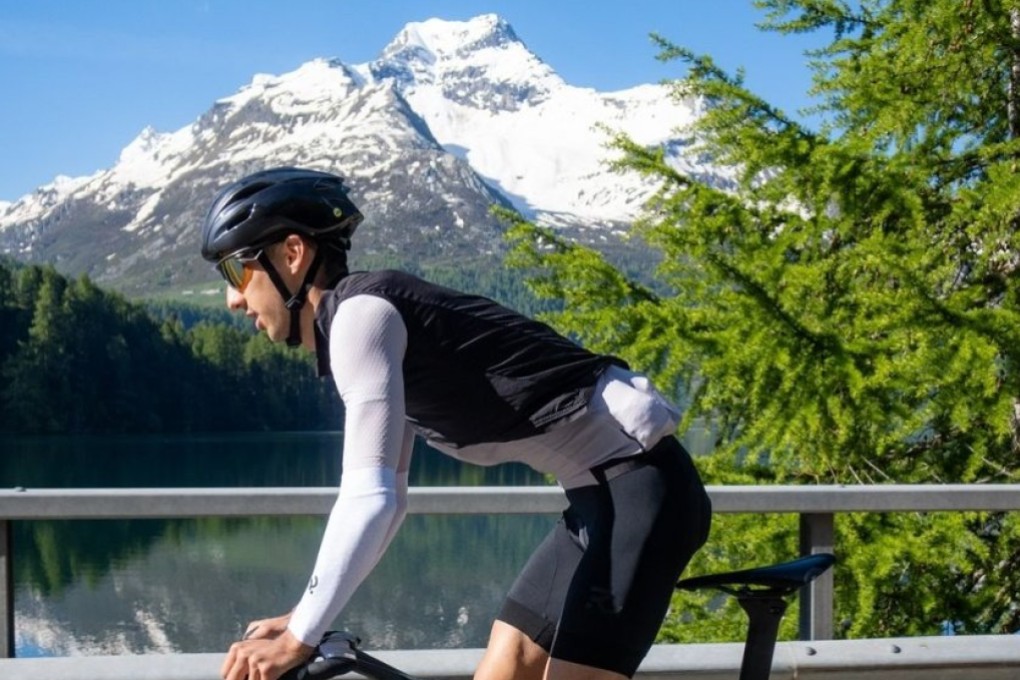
point(518, 124)
point(451, 118)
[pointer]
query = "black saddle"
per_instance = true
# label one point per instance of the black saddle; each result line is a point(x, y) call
point(777, 579)
point(762, 593)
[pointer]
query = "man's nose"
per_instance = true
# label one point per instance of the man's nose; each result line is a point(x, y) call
point(235, 300)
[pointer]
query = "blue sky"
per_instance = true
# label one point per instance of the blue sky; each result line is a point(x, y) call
point(79, 80)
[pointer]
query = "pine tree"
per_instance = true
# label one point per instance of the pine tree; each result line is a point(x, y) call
point(845, 310)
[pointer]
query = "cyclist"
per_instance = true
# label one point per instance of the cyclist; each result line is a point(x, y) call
point(485, 385)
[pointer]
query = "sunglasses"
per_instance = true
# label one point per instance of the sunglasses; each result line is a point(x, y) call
point(236, 269)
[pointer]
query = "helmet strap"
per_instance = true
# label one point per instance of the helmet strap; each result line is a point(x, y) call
point(292, 301)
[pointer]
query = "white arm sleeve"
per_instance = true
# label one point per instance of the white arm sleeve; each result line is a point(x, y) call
point(367, 343)
point(402, 483)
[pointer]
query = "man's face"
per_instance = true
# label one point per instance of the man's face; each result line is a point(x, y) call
point(261, 301)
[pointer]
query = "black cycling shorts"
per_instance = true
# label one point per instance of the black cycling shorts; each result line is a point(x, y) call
point(597, 588)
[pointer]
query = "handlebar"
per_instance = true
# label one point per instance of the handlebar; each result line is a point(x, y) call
point(338, 654)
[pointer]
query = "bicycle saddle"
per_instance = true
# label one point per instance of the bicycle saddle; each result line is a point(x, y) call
point(783, 578)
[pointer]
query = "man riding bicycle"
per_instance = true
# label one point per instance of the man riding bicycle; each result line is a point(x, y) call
point(483, 384)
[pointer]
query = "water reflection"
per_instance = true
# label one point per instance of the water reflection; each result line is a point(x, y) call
point(136, 586)
point(140, 586)
point(201, 581)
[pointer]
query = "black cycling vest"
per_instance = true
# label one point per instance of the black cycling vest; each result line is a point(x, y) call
point(474, 371)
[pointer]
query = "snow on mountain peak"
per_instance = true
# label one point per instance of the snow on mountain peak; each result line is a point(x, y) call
point(479, 63)
point(142, 146)
point(38, 203)
point(149, 160)
point(456, 38)
point(312, 82)
point(488, 99)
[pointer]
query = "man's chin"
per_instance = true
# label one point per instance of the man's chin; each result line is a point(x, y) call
point(274, 334)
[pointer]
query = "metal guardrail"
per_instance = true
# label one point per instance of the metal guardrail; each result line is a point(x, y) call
point(27, 504)
point(816, 505)
point(992, 657)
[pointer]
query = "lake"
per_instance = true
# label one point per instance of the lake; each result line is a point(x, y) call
point(113, 586)
point(160, 586)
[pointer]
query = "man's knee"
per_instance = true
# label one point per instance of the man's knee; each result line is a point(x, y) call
point(511, 655)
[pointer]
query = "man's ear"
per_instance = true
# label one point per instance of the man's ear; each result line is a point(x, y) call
point(296, 252)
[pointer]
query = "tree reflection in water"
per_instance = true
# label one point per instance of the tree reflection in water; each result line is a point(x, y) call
point(133, 586)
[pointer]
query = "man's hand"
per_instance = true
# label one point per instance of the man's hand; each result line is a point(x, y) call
point(264, 629)
point(264, 659)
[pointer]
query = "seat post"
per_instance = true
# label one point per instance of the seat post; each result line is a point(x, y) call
point(764, 612)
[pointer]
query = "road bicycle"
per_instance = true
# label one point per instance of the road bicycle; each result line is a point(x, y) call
point(762, 593)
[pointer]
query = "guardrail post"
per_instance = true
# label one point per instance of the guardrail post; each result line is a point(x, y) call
point(6, 591)
point(817, 535)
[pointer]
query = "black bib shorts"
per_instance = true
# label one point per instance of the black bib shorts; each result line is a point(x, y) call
point(598, 587)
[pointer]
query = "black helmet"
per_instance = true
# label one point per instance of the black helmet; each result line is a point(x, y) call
point(263, 208)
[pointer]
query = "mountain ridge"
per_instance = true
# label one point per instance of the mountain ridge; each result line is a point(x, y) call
point(452, 118)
